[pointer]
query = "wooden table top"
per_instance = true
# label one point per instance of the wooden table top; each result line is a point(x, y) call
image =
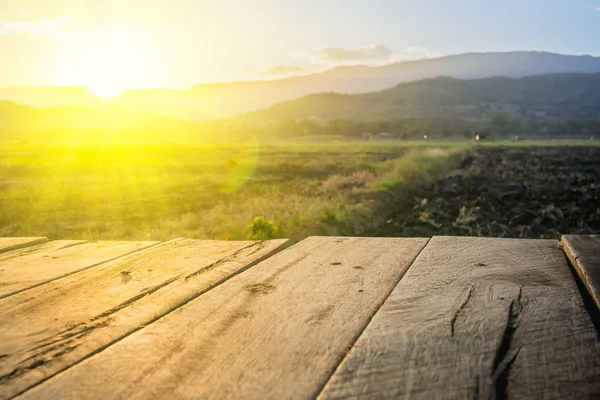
point(326, 318)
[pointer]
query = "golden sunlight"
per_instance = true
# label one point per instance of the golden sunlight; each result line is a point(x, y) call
point(117, 59)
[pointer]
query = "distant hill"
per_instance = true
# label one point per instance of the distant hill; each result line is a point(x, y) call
point(546, 96)
point(50, 96)
point(99, 123)
point(219, 100)
point(13, 114)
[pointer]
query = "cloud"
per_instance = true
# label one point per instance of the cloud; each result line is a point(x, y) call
point(41, 27)
point(12, 26)
point(414, 53)
point(286, 70)
point(598, 9)
point(327, 57)
point(370, 53)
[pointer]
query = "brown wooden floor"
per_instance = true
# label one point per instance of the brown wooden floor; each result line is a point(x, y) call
point(327, 318)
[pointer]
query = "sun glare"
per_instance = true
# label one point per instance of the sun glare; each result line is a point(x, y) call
point(109, 63)
point(107, 90)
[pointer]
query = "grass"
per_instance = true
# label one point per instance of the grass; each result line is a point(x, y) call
point(417, 166)
point(217, 191)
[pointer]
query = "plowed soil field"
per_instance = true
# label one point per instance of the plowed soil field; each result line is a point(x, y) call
point(533, 192)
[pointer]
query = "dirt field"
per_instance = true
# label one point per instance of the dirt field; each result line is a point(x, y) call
point(535, 192)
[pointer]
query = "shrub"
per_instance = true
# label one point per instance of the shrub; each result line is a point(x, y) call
point(262, 229)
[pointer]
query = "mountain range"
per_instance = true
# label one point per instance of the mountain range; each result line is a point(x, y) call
point(547, 97)
point(565, 104)
point(221, 100)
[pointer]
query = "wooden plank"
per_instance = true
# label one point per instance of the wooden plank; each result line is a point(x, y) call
point(29, 267)
point(584, 253)
point(40, 248)
point(477, 318)
point(13, 243)
point(51, 327)
point(277, 331)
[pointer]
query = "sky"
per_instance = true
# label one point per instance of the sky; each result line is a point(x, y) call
point(112, 45)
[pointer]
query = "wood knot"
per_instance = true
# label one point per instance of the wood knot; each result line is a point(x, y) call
point(125, 276)
point(258, 288)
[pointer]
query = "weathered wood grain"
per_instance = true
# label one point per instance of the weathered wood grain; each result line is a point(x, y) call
point(12, 243)
point(28, 267)
point(477, 318)
point(40, 248)
point(51, 327)
point(584, 253)
point(277, 331)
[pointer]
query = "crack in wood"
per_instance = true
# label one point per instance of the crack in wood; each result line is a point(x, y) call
point(502, 375)
point(132, 300)
point(67, 339)
point(65, 344)
point(503, 360)
point(223, 260)
point(68, 334)
point(261, 245)
point(476, 391)
point(459, 309)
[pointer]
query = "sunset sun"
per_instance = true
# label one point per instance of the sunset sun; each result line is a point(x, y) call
point(109, 63)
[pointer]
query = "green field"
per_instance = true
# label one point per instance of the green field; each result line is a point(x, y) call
point(234, 191)
point(222, 191)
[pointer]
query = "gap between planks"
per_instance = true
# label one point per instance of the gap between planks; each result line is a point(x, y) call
point(584, 253)
point(13, 243)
